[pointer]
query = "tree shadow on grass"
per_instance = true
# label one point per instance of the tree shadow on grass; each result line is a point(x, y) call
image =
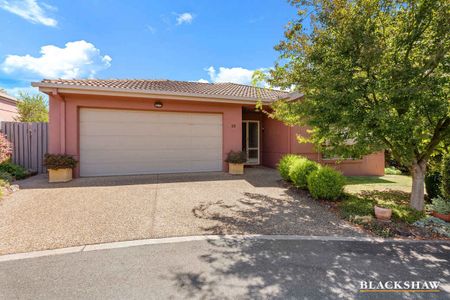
point(268, 269)
point(289, 213)
point(394, 196)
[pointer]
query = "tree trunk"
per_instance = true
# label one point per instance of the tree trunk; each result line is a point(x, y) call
point(417, 200)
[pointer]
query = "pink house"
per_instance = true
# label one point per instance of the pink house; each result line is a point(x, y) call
point(119, 127)
point(8, 107)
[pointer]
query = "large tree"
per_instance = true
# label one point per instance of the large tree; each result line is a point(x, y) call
point(32, 108)
point(375, 75)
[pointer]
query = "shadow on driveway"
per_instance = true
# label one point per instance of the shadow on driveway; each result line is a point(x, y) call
point(292, 212)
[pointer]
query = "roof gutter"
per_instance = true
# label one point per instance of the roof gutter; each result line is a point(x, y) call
point(85, 90)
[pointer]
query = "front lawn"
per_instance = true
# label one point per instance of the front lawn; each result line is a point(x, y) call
point(356, 184)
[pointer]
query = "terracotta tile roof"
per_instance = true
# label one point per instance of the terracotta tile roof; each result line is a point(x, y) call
point(172, 86)
point(7, 97)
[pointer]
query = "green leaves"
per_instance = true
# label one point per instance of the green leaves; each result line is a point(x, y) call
point(376, 72)
point(32, 108)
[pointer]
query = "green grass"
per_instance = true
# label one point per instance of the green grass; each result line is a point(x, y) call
point(351, 180)
point(356, 184)
point(391, 191)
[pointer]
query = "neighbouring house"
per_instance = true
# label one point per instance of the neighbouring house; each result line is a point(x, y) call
point(120, 127)
point(8, 107)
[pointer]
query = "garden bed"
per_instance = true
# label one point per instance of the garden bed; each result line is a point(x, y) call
point(358, 210)
point(354, 198)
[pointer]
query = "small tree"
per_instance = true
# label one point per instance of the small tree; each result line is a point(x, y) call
point(373, 72)
point(32, 108)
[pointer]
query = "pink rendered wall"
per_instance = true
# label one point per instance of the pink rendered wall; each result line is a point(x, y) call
point(232, 118)
point(8, 111)
point(275, 141)
point(54, 124)
point(369, 165)
point(281, 139)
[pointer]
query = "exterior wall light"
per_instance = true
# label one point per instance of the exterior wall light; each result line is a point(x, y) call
point(158, 104)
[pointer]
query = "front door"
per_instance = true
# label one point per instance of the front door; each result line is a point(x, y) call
point(250, 141)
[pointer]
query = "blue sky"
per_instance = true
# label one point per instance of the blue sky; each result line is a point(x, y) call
point(194, 40)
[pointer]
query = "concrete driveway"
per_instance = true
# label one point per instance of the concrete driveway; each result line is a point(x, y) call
point(105, 209)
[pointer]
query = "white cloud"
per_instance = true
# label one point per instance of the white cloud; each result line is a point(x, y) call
point(151, 29)
point(234, 75)
point(76, 60)
point(16, 90)
point(29, 10)
point(202, 80)
point(184, 18)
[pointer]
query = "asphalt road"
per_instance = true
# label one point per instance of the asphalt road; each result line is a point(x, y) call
point(230, 269)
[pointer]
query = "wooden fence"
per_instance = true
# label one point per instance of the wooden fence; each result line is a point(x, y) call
point(30, 142)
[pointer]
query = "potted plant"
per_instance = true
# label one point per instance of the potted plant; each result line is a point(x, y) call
point(440, 208)
point(236, 160)
point(59, 167)
point(382, 213)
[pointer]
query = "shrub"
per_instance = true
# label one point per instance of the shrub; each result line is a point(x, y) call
point(14, 170)
point(392, 171)
point(59, 161)
point(406, 213)
point(5, 148)
point(285, 163)
point(299, 171)
point(6, 177)
point(439, 205)
point(445, 177)
point(236, 157)
point(326, 183)
point(433, 184)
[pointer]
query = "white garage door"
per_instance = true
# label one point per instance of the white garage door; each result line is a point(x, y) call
point(122, 142)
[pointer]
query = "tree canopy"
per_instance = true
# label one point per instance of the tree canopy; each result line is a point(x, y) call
point(375, 75)
point(32, 108)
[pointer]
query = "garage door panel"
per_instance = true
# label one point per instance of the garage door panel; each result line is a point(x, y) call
point(157, 167)
point(130, 116)
point(124, 116)
point(115, 129)
point(206, 130)
point(204, 142)
point(137, 143)
point(149, 157)
point(117, 142)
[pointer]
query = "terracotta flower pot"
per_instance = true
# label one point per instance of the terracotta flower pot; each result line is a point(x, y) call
point(383, 213)
point(443, 217)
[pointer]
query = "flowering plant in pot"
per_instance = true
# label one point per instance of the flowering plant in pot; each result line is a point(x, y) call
point(440, 208)
point(59, 167)
point(236, 160)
